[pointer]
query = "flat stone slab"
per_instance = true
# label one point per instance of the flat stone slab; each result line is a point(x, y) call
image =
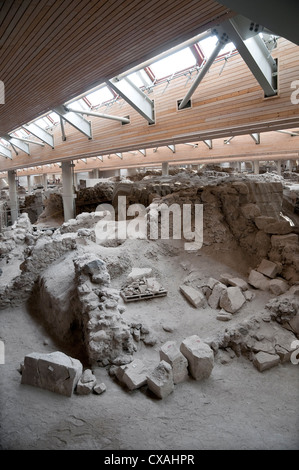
point(135, 375)
point(258, 280)
point(55, 372)
point(264, 361)
point(170, 353)
point(194, 296)
point(268, 268)
point(238, 282)
point(199, 355)
point(160, 381)
point(139, 273)
point(232, 299)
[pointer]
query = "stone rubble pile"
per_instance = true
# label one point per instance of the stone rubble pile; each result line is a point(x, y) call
point(267, 339)
point(193, 358)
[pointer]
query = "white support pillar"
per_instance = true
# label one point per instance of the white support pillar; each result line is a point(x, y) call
point(256, 167)
point(29, 184)
point(13, 197)
point(45, 181)
point(68, 192)
point(165, 168)
point(117, 172)
point(278, 164)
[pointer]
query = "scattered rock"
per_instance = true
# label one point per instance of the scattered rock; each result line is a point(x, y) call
point(160, 381)
point(55, 371)
point(278, 286)
point(170, 353)
point(99, 388)
point(238, 282)
point(217, 292)
point(139, 273)
point(224, 316)
point(86, 383)
point(282, 227)
point(268, 268)
point(194, 296)
point(258, 280)
point(232, 299)
point(264, 361)
point(199, 355)
point(135, 375)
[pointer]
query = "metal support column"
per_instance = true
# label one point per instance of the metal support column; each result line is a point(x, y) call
point(68, 193)
point(13, 197)
point(256, 167)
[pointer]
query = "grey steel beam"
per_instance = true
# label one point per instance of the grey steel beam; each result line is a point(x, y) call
point(256, 137)
point(134, 96)
point(120, 155)
point(203, 71)
point(209, 143)
point(292, 134)
point(142, 151)
point(253, 51)
point(75, 120)
point(40, 133)
point(227, 141)
point(31, 141)
point(172, 148)
point(100, 115)
point(63, 136)
point(100, 157)
point(17, 143)
point(5, 152)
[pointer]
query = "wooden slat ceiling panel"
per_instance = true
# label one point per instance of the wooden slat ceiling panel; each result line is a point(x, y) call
point(54, 50)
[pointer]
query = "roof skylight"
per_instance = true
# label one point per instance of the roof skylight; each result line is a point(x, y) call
point(208, 45)
point(100, 96)
point(176, 62)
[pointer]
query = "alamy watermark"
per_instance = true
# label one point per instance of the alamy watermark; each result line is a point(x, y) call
point(158, 221)
point(2, 93)
point(295, 93)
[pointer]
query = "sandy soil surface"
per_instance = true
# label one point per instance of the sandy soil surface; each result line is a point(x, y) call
point(236, 408)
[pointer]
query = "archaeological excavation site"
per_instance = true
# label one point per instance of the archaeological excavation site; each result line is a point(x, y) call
point(149, 226)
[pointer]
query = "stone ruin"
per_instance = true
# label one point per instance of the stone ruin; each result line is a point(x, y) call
point(67, 275)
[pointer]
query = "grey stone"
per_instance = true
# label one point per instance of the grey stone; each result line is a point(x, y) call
point(283, 240)
point(194, 296)
point(99, 388)
point(278, 286)
point(160, 381)
point(224, 316)
point(264, 361)
point(248, 295)
point(217, 291)
point(258, 280)
point(55, 371)
point(87, 376)
point(170, 353)
point(96, 268)
point(135, 375)
point(86, 383)
point(232, 299)
point(238, 282)
point(268, 268)
point(224, 278)
point(199, 355)
point(211, 282)
point(139, 273)
point(262, 221)
point(250, 211)
point(282, 227)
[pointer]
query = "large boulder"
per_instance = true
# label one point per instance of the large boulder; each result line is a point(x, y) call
point(232, 299)
point(199, 355)
point(55, 371)
point(160, 381)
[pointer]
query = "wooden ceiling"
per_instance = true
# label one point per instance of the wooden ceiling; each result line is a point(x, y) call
point(54, 50)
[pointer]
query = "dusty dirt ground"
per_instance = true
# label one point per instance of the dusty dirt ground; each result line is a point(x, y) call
point(236, 408)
